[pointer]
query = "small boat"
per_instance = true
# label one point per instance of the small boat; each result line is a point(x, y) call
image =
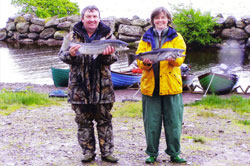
point(60, 77)
point(124, 80)
point(58, 93)
point(218, 83)
point(120, 80)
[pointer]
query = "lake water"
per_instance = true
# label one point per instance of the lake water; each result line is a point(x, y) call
point(32, 63)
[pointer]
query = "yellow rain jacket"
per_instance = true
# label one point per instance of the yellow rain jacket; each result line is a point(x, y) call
point(170, 73)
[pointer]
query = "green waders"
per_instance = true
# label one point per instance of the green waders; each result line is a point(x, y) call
point(168, 109)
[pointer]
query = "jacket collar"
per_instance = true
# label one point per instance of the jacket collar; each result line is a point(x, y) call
point(149, 36)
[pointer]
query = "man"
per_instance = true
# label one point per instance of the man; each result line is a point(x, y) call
point(91, 92)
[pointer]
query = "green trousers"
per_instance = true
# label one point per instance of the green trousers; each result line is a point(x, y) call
point(169, 110)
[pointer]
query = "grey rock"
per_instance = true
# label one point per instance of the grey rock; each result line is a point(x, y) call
point(19, 36)
point(139, 22)
point(38, 21)
point(63, 19)
point(247, 29)
point(3, 34)
point(53, 42)
point(123, 20)
point(22, 27)
point(248, 43)
point(64, 25)
point(41, 41)
point(19, 19)
point(47, 33)
point(28, 17)
point(246, 19)
point(110, 22)
point(27, 41)
point(230, 21)
point(128, 38)
point(130, 30)
point(52, 23)
point(34, 36)
point(36, 28)
point(240, 24)
point(10, 26)
point(74, 18)
point(219, 20)
point(11, 19)
point(10, 33)
point(234, 33)
point(135, 17)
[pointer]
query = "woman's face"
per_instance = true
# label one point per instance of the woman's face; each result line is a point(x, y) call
point(161, 21)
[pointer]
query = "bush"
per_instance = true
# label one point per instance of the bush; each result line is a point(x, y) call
point(195, 27)
point(47, 8)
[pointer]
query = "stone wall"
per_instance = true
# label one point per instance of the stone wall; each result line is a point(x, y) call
point(29, 29)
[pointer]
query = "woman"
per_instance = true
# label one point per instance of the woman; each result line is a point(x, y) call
point(161, 87)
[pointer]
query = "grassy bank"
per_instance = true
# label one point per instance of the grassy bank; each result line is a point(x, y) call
point(12, 101)
point(237, 103)
point(203, 108)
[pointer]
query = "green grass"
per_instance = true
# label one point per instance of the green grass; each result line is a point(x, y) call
point(237, 103)
point(127, 109)
point(12, 101)
point(244, 122)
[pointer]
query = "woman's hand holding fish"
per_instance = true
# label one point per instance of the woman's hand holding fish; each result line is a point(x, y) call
point(170, 60)
point(147, 62)
point(108, 50)
point(74, 49)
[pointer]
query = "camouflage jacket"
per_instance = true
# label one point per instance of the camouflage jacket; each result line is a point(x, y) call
point(89, 79)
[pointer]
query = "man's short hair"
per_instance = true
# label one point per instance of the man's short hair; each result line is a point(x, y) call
point(91, 8)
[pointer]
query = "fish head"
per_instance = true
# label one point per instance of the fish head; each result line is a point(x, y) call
point(174, 53)
point(120, 45)
point(180, 51)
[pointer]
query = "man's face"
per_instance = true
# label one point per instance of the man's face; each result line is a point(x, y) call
point(91, 20)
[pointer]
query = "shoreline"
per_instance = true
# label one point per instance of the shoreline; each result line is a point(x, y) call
point(120, 94)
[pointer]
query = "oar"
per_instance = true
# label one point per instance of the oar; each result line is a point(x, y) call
point(209, 85)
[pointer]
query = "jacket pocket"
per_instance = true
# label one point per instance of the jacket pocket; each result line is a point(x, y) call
point(75, 78)
point(175, 83)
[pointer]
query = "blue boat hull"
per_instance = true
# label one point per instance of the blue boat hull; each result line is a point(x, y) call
point(120, 80)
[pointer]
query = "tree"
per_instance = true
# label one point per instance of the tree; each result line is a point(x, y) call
point(195, 26)
point(47, 8)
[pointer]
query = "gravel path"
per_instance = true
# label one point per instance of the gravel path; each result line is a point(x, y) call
point(47, 137)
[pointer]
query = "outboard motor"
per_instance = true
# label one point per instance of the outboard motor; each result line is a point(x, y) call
point(184, 69)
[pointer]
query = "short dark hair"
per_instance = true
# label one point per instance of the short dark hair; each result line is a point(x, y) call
point(157, 11)
point(91, 8)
